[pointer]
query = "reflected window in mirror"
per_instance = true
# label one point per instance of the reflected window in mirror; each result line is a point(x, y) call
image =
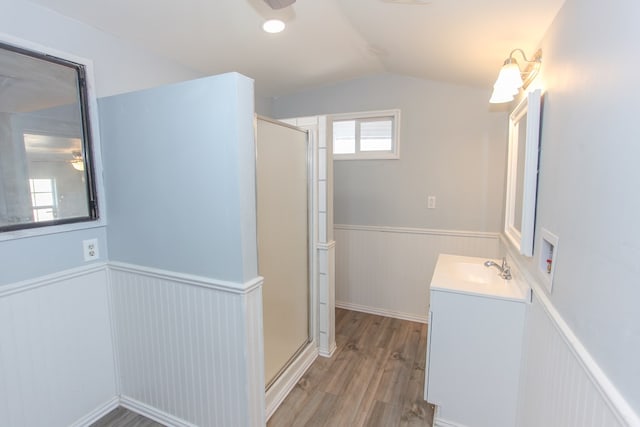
point(46, 174)
point(522, 173)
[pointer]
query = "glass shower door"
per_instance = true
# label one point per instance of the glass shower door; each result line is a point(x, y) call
point(282, 185)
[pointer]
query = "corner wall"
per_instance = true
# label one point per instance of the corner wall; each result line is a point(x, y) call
point(56, 357)
point(387, 241)
point(118, 67)
point(187, 301)
point(587, 196)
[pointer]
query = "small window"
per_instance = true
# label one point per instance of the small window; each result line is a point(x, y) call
point(46, 174)
point(370, 135)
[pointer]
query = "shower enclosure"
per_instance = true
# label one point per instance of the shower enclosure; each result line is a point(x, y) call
point(284, 239)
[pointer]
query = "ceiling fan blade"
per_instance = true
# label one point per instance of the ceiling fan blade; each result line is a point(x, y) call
point(279, 4)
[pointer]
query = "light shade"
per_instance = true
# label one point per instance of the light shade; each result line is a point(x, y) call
point(508, 83)
point(499, 96)
point(510, 78)
point(279, 4)
point(78, 164)
point(510, 75)
point(273, 26)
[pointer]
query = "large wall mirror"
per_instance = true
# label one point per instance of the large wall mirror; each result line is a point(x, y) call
point(522, 172)
point(46, 175)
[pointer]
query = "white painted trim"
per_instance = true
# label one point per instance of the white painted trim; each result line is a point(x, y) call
point(50, 279)
point(609, 392)
point(441, 422)
point(529, 111)
point(97, 413)
point(189, 279)
point(430, 231)
point(382, 312)
point(153, 413)
point(281, 388)
point(326, 246)
point(330, 353)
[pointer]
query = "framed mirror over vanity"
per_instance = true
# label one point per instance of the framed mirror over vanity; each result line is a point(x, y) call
point(522, 172)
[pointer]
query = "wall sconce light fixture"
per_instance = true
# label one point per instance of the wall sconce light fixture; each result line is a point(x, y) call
point(511, 78)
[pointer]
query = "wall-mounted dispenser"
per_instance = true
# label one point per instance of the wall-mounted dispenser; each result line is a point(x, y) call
point(548, 257)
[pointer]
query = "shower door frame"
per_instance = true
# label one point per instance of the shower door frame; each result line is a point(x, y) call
point(311, 242)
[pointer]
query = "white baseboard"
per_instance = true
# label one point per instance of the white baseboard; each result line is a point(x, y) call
point(382, 312)
point(331, 351)
point(153, 413)
point(97, 413)
point(289, 378)
point(440, 422)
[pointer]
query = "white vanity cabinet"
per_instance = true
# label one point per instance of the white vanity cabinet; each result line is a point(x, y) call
point(475, 344)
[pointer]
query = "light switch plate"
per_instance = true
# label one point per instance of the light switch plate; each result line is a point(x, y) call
point(431, 202)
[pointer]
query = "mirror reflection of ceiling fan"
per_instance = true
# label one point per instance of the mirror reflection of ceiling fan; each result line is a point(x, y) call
point(279, 4)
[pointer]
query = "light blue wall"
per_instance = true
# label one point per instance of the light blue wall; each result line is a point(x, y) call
point(588, 184)
point(118, 67)
point(179, 173)
point(31, 257)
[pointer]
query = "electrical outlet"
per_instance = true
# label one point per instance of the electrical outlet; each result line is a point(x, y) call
point(90, 248)
point(431, 202)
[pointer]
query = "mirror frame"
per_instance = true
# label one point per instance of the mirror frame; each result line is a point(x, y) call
point(528, 110)
point(92, 124)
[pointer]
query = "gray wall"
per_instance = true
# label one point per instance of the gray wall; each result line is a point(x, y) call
point(263, 106)
point(118, 67)
point(451, 147)
point(589, 175)
point(179, 174)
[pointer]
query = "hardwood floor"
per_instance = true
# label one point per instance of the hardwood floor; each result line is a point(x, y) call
point(375, 378)
point(121, 417)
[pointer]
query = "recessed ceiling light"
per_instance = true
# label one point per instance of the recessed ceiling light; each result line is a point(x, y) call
point(273, 26)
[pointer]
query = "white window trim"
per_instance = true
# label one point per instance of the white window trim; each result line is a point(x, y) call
point(394, 154)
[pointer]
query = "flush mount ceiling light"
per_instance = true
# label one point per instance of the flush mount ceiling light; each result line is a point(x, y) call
point(273, 26)
point(511, 78)
point(279, 4)
point(77, 162)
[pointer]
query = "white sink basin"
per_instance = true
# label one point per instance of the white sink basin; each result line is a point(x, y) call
point(468, 275)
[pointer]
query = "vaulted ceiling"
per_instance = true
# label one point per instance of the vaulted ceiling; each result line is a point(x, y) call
point(458, 41)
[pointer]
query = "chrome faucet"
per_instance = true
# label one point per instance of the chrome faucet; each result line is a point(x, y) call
point(504, 269)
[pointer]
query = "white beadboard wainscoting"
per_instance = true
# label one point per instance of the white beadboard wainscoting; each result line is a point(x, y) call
point(326, 298)
point(189, 348)
point(560, 383)
point(387, 270)
point(56, 355)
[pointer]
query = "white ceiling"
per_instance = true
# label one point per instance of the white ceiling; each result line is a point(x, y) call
point(459, 41)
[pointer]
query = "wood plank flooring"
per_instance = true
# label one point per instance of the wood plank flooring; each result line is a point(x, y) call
point(375, 378)
point(121, 417)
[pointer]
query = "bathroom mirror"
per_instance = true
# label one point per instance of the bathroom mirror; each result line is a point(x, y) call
point(522, 173)
point(46, 175)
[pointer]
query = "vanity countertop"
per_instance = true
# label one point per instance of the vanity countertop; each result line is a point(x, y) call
point(468, 275)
